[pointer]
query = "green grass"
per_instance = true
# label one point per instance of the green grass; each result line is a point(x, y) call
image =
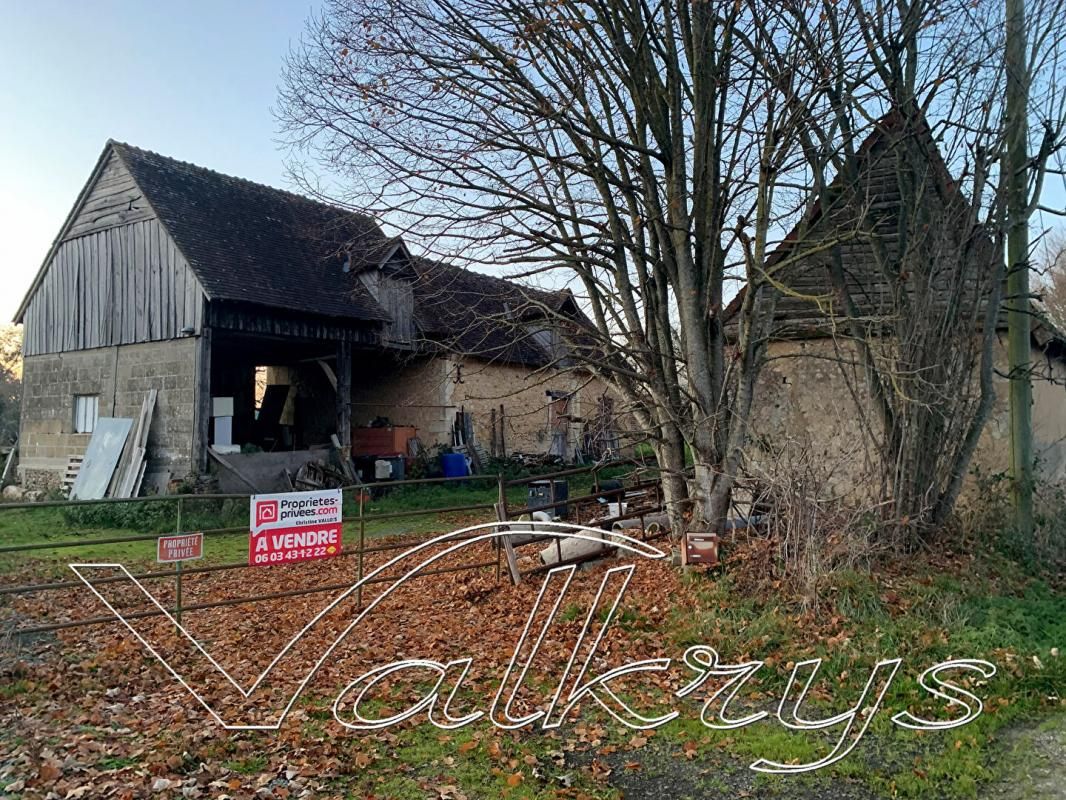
point(110, 764)
point(992, 608)
point(59, 524)
point(992, 612)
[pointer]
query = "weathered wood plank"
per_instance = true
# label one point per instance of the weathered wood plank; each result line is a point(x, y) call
point(270, 322)
point(114, 199)
point(344, 393)
point(202, 411)
point(120, 286)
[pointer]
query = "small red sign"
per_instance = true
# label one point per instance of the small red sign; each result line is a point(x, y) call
point(702, 548)
point(185, 547)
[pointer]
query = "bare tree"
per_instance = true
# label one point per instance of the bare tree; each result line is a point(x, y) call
point(10, 382)
point(639, 154)
point(645, 156)
point(915, 285)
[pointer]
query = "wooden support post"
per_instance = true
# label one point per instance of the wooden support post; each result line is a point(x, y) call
point(503, 441)
point(362, 545)
point(344, 395)
point(492, 423)
point(177, 571)
point(499, 556)
point(202, 397)
point(501, 515)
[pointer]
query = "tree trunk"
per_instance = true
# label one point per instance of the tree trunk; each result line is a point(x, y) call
point(1018, 338)
point(670, 453)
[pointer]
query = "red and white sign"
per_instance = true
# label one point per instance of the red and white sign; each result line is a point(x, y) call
point(185, 547)
point(297, 526)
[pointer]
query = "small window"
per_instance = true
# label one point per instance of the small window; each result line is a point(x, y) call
point(86, 410)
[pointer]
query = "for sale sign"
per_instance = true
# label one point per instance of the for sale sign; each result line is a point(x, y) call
point(297, 526)
point(183, 547)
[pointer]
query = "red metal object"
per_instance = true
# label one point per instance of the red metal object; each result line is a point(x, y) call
point(377, 441)
point(702, 548)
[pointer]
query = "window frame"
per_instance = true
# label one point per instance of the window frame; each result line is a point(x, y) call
point(81, 420)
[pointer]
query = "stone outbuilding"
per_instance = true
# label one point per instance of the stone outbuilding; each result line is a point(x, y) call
point(813, 392)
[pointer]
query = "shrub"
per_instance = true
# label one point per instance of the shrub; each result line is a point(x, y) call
point(159, 516)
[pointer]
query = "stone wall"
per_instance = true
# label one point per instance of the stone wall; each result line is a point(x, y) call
point(807, 399)
point(523, 393)
point(410, 392)
point(1049, 416)
point(120, 376)
point(424, 392)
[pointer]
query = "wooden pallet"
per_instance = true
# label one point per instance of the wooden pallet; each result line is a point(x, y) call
point(481, 456)
point(71, 474)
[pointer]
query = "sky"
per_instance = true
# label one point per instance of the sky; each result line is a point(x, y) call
point(190, 79)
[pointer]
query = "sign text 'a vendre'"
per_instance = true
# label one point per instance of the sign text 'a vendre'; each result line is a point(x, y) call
point(296, 526)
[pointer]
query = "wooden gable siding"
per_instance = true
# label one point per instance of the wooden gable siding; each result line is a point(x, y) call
point(114, 199)
point(872, 208)
point(396, 296)
point(119, 285)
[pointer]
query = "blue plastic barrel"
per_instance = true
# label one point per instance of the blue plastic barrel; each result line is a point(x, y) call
point(454, 465)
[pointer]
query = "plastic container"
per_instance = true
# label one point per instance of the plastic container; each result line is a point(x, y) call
point(540, 494)
point(399, 466)
point(454, 465)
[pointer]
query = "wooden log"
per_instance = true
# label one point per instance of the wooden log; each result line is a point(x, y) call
point(573, 549)
point(626, 524)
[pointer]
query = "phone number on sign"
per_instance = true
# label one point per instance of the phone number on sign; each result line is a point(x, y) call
point(281, 556)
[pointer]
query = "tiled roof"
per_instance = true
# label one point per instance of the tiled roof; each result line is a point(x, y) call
point(481, 315)
point(256, 244)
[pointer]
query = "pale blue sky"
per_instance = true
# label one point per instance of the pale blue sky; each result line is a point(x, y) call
point(191, 79)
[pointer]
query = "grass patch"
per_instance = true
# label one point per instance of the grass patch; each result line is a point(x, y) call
point(112, 764)
point(925, 610)
point(251, 765)
point(66, 525)
point(985, 610)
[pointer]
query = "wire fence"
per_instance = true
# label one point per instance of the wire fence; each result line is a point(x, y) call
point(503, 502)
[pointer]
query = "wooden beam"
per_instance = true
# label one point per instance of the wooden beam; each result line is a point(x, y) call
point(501, 515)
point(202, 399)
point(344, 394)
point(331, 376)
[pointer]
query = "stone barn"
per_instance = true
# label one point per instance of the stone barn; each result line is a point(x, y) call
point(813, 392)
point(296, 319)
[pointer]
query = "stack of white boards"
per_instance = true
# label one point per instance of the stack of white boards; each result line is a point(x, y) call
point(114, 461)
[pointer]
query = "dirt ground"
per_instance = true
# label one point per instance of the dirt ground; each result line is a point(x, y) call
point(1034, 761)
